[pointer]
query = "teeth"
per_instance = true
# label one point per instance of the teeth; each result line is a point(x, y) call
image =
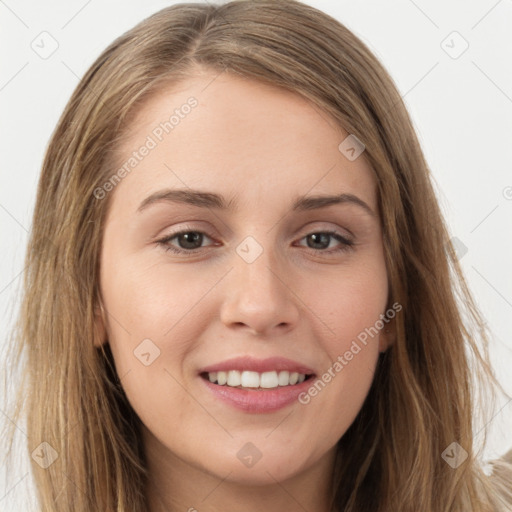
point(247, 379)
point(234, 378)
point(269, 380)
point(284, 378)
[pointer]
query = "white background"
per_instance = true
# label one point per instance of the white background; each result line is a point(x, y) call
point(461, 108)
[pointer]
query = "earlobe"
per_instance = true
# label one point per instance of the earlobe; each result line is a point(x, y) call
point(386, 337)
point(100, 331)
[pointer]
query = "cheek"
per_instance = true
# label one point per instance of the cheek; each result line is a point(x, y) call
point(150, 335)
point(352, 305)
point(159, 303)
point(156, 315)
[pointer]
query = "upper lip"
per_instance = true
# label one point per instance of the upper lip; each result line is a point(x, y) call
point(258, 365)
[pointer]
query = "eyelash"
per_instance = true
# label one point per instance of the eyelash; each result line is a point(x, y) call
point(347, 244)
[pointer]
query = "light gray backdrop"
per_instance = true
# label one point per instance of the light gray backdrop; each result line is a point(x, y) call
point(452, 62)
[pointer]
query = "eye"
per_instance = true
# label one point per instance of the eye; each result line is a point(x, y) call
point(318, 241)
point(190, 242)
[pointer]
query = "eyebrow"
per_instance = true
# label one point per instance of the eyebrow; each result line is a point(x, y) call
point(211, 200)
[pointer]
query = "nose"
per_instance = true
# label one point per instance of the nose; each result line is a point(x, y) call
point(259, 296)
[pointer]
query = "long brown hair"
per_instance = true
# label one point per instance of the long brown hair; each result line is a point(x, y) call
point(424, 396)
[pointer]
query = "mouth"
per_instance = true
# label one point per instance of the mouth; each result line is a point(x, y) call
point(257, 386)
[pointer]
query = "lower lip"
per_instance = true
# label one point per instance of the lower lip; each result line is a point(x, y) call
point(258, 401)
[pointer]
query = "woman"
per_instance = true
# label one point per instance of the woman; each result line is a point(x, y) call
point(312, 354)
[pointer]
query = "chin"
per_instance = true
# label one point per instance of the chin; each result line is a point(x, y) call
point(261, 474)
point(246, 465)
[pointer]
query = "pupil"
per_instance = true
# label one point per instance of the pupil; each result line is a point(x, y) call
point(190, 238)
point(317, 236)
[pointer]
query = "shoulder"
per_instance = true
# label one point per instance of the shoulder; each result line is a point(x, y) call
point(501, 482)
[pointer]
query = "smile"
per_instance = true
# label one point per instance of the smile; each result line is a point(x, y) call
point(255, 385)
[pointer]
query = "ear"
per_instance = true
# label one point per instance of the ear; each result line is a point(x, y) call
point(100, 330)
point(387, 336)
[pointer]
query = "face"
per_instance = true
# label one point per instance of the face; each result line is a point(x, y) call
point(254, 281)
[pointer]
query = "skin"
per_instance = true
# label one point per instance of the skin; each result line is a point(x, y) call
point(263, 147)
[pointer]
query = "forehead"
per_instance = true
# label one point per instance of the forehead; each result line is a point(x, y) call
point(242, 138)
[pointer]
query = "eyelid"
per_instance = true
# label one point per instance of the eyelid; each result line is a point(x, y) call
point(348, 243)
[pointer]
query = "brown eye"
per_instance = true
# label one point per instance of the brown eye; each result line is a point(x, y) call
point(187, 241)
